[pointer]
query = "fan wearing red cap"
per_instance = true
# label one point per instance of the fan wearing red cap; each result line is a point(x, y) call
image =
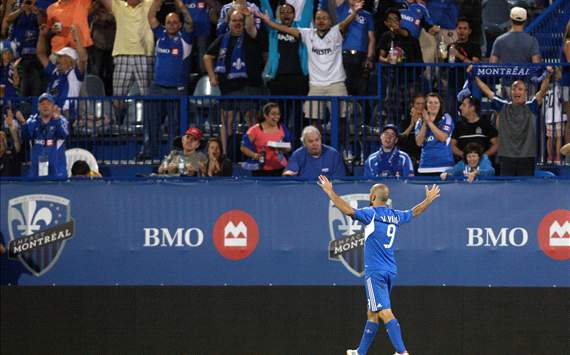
point(188, 160)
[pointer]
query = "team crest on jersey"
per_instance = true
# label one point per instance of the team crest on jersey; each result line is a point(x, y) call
point(39, 226)
point(347, 235)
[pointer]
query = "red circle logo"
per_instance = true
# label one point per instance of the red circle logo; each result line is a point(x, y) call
point(236, 235)
point(554, 234)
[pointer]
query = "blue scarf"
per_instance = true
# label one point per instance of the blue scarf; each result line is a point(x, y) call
point(389, 162)
point(238, 67)
point(534, 72)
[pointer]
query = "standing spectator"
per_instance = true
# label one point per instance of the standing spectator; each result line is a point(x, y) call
point(464, 50)
point(46, 132)
point(407, 140)
point(217, 164)
point(396, 46)
point(9, 77)
point(415, 16)
point(389, 160)
point(357, 48)
point(474, 163)
point(516, 46)
point(223, 20)
point(517, 132)
point(326, 72)
point(133, 46)
point(25, 21)
point(103, 30)
point(10, 164)
point(444, 13)
point(433, 134)
point(204, 13)
point(61, 16)
point(65, 77)
point(472, 129)
point(315, 158)
point(256, 143)
point(555, 119)
point(287, 63)
point(188, 160)
point(565, 82)
point(472, 9)
point(234, 62)
point(171, 71)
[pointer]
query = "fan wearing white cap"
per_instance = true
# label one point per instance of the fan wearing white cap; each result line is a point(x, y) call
point(66, 75)
point(516, 46)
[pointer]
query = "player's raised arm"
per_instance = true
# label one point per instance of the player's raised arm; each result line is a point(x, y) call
point(341, 204)
point(431, 195)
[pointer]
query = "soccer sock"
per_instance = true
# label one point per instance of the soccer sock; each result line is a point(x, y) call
point(395, 335)
point(370, 330)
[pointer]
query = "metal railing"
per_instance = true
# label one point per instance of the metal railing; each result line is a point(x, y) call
point(548, 29)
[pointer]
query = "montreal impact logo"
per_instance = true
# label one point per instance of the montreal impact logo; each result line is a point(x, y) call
point(39, 226)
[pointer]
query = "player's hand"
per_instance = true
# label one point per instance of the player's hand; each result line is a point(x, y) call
point(433, 193)
point(325, 184)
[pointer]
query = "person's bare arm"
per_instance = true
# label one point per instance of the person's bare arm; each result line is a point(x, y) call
point(341, 204)
point(81, 51)
point(249, 22)
point(371, 48)
point(493, 59)
point(493, 148)
point(154, 8)
point(544, 86)
point(421, 136)
point(188, 24)
point(455, 149)
point(209, 66)
point(41, 51)
point(10, 17)
point(431, 195)
point(484, 88)
point(14, 130)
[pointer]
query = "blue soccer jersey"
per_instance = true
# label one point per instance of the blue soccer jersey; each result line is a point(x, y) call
point(381, 226)
point(437, 156)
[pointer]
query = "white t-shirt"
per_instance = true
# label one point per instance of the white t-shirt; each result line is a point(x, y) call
point(325, 56)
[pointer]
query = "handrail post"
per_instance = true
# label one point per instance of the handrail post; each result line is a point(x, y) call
point(335, 122)
point(183, 114)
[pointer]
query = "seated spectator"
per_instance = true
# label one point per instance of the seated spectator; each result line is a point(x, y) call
point(217, 164)
point(407, 140)
point(47, 132)
point(256, 143)
point(315, 158)
point(188, 160)
point(389, 160)
point(517, 132)
point(62, 15)
point(472, 129)
point(433, 134)
point(474, 164)
point(234, 62)
point(81, 169)
point(66, 76)
point(26, 20)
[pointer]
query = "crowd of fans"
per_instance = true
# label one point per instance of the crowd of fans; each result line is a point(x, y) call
point(293, 48)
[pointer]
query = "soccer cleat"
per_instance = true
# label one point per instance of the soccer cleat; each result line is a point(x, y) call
point(351, 352)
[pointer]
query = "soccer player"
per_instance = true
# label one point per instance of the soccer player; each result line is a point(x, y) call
point(381, 224)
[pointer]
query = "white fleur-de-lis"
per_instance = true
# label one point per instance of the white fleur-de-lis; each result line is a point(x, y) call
point(238, 64)
point(29, 210)
point(350, 226)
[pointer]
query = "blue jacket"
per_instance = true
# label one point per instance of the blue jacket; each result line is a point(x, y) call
point(47, 140)
point(329, 163)
point(273, 58)
point(392, 163)
point(485, 168)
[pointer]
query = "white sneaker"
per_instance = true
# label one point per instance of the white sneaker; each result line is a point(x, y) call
point(351, 352)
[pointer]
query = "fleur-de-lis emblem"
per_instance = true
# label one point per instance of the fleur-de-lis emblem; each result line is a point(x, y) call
point(349, 225)
point(28, 218)
point(238, 64)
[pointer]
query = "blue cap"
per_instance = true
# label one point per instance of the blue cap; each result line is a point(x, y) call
point(392, 127)
point(46, 96)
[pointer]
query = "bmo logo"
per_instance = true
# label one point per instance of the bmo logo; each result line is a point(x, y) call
point(554, 235)
point(236, 235)
point(503, 237)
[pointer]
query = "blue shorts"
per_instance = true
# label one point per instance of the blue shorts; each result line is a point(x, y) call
point(378, 286)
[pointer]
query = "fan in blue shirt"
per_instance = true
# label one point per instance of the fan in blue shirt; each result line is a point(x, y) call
point(388, 160)
point(381, 226)
point(315, 158)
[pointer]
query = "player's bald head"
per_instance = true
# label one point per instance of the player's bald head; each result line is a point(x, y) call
point(380, 193)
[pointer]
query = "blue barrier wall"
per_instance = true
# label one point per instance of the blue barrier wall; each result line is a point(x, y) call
point(248, 232)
